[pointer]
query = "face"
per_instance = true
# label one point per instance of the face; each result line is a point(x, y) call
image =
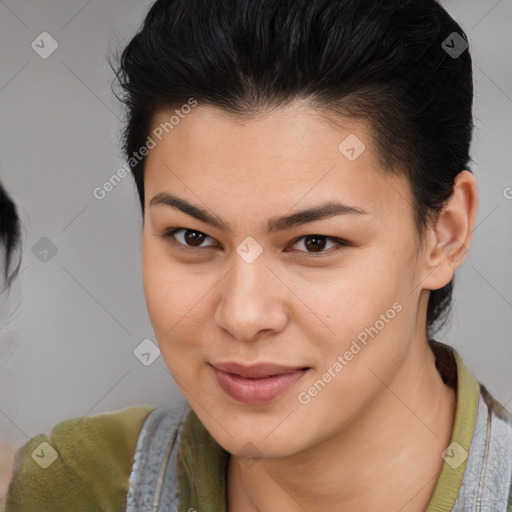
point(325, 299)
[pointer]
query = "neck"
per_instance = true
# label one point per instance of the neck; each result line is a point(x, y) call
point(394, 449)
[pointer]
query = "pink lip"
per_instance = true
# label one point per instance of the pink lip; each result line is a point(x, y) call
point(256, 384)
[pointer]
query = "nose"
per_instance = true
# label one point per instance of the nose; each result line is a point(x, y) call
point(254, 302)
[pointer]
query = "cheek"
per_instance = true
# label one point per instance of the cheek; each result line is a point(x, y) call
point(153, 289)
point(162, 289)
point(366, 311)
point(167, 303)
point(175, 300)
point(360, 294)
point(167, 309)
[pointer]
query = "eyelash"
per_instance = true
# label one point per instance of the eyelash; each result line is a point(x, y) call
point(169, 235)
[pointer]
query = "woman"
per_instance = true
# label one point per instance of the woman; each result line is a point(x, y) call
point(10, 260)
point(10, 240)
point(302, 169)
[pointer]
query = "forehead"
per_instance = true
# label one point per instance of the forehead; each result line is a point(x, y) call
point(274, 159)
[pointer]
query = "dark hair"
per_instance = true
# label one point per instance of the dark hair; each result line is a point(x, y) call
point(10, 240)
point(378, 61)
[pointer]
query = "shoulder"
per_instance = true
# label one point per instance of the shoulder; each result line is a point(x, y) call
point(84, 464)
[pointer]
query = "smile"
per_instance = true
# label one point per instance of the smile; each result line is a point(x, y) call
point(256, 384)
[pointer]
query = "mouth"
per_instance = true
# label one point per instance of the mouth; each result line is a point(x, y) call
point(256, 384)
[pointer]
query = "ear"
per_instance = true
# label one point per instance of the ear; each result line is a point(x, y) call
point(449, 239)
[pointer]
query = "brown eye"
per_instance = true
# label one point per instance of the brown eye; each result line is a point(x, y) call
point(191, 238)
point(318, 243)
point(315, 243)
point(194, 238)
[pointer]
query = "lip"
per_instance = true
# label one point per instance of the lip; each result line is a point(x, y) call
point(255, 371)
point(256, 384)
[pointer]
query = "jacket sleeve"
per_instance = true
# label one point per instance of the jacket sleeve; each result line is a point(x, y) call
point(84, 465)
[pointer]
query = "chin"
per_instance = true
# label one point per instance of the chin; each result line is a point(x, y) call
point(253, 439)
point(251, 451)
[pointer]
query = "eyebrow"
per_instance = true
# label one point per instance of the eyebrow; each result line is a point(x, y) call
point(324, 210)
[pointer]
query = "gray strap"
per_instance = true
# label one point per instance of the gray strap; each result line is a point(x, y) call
point(153, 479)
point(486, 482)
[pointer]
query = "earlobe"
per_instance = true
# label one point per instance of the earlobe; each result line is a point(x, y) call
point(450, 238)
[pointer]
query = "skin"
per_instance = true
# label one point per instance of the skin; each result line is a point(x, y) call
point(384, 420)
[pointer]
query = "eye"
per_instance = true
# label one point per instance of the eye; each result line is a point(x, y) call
point(314, 244)
point(191, 236)
point(317, 244)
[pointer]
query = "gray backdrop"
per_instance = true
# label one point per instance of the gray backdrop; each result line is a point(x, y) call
point(83, 311)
